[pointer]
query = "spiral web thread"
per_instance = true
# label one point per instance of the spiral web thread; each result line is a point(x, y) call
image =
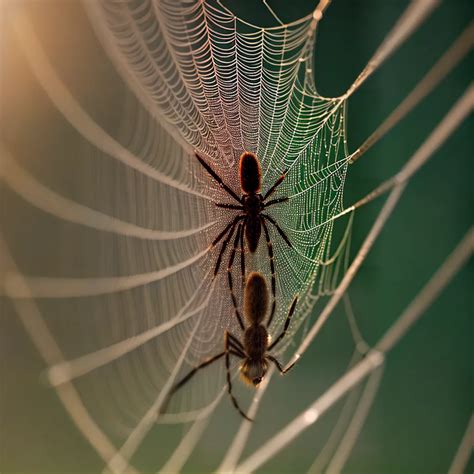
point(205, 80)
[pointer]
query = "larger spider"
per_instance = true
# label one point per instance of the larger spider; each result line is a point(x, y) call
point(251, 205)
point(254, 348)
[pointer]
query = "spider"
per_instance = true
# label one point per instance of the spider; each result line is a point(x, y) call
point(251, 205)
point(254, 348)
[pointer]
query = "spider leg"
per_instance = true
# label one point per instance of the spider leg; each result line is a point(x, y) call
point(275, 201)
point(221, 234)
point(280, 231)
point(229, 278)
point(188, 376)
point(236, 350)
point(272, 269)
point(285, 328)
point(242, 254)
point(277, 183)
point(224, 244)
point(228, 206)
point(234, 340)
point(229, 382)
point(279, 367)
point(217, 178)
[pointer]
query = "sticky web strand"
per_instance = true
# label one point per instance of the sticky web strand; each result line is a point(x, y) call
point(457, 114)
point(71, 369)
point(75, 114)
point(297, 88)
point(48, 201)
point(61, 97)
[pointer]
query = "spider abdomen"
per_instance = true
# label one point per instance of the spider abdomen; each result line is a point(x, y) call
point(256, 341)
point(255, 298)
point(253, 229)
point(250, 173)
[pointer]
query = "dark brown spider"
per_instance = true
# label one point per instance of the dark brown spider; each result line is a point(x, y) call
point(254, 348)
point(251, 204)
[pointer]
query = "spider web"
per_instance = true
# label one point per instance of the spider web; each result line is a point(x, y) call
point(202, 79)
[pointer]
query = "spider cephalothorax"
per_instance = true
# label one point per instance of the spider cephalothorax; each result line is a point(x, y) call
point(254, 349)
point(249, 221)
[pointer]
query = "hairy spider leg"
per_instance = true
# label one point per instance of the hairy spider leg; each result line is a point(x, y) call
point(228, 352)
point(221, 234)
point(285, 328)
point(225, 205)
point(275, 201)
point(242, 257)
point(279, 367)
point(231, 348)
point(275, 185)
point(226, 241)
point(236, 349)
point(237, 344)
point(280, 231)
point(188, 376)
point(229, 276)
point(221, 183)
point(272, 269)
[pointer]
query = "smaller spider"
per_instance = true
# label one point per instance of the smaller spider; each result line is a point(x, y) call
point(251, 217)
point(255, 347)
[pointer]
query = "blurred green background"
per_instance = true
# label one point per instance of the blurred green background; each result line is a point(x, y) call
point(425, 398)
